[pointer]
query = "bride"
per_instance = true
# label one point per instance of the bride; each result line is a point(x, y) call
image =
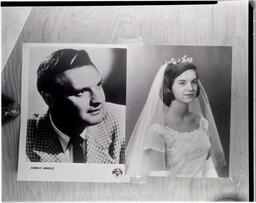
point(175, 134)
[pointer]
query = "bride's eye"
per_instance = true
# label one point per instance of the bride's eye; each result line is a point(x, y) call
point(182, 83)
point(194, 82)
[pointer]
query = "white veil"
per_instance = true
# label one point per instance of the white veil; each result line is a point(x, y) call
point(137, 159)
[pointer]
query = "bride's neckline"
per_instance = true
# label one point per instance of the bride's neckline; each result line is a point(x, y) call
point(185, 132)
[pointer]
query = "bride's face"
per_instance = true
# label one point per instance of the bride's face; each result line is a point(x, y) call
point(185, 86)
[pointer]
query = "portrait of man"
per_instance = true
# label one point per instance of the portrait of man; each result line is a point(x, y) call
point(79, 126)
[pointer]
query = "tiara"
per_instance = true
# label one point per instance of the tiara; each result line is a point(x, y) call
point(174, 61)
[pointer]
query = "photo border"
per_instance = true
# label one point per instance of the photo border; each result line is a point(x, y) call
point(74, 172)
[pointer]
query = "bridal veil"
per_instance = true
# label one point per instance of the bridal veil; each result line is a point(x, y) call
point(137, 159)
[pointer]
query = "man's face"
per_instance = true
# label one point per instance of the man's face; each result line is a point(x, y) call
point(82, 97)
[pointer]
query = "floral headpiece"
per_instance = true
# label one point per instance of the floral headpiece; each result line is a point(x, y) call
point(174, 61)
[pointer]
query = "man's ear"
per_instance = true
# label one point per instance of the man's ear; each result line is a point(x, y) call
point(49, 99)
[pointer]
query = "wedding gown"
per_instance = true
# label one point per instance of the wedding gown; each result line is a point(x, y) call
point(185, 152)
point(178, 154)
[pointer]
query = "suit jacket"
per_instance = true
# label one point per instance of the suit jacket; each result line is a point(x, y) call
point(105, 143)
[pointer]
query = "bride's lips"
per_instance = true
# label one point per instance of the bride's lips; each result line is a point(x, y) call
point(189, 95)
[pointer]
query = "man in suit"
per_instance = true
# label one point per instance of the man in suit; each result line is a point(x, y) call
point(79, 125)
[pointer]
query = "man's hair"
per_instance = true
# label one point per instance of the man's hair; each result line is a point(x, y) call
point(172, 71)
point(58, 62)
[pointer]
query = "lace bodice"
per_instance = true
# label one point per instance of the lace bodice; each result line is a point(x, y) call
point(185, 152)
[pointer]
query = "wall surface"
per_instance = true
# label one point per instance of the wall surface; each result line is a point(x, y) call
point(216, 25)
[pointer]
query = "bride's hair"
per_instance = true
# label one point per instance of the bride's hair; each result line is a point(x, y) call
point(172, 71)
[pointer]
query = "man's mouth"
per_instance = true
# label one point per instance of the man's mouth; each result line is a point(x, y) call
point(95, 111)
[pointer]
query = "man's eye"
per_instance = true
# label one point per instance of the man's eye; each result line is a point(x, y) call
point(80, 93)
point(182, 83)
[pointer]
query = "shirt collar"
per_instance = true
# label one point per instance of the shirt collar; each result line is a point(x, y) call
point(64, 139)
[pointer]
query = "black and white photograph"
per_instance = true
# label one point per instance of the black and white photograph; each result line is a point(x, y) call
point(125, 101)
point(74, 100)
point(178, 111)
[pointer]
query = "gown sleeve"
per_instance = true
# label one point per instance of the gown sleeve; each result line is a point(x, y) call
point(154, 139)
point(204, 124)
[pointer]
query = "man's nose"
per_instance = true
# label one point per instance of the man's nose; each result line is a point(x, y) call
point(96, 98)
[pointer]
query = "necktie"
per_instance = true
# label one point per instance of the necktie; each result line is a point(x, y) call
point(78, 151)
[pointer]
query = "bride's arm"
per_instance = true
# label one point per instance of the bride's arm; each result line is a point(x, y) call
point(209, 169)
point(156, 161)
point(154, 149)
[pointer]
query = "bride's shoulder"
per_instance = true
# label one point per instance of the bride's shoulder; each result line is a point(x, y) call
point(155, 132)
point(194, 118)
point(156, 129)
point(203, 122)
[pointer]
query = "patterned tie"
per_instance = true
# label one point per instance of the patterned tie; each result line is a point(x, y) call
point(78, 152)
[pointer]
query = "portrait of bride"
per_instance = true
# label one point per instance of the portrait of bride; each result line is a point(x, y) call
point(175, 134)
